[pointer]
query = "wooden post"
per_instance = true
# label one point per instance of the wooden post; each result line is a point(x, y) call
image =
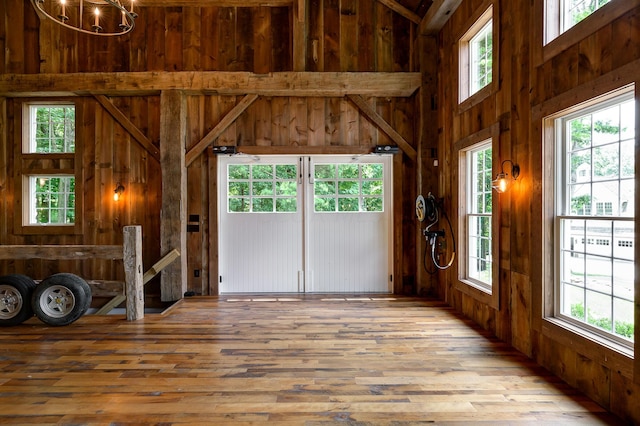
point(134, 287)
point(173, 217)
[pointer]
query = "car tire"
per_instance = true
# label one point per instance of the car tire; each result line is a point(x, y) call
point(15, 299)
point(61, 299)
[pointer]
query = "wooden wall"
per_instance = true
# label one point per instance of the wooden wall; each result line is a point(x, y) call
point(341, 35)
point(345, 35)
point(530, 77)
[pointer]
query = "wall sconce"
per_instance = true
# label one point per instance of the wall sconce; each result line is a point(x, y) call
point(117, 193)
point(502, 180)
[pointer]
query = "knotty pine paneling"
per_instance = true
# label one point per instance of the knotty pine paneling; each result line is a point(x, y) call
point(524, 83)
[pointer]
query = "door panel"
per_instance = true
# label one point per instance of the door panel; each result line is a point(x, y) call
point(305, 224)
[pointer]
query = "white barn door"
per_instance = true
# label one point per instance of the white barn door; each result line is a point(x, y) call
point(305, 224)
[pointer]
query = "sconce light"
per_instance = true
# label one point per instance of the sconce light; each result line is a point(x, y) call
point(117, 193)
point(502, 180)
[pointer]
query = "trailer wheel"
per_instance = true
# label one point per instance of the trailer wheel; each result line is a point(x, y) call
point(61, 299)
point(15, 299)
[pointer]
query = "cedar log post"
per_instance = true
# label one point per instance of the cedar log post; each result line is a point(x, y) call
point(134, 289)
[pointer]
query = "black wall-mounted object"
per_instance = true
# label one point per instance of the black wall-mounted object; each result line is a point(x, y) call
point(386, 149)
point(223, 149)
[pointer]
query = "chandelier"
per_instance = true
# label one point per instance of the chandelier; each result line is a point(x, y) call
point(95, 17)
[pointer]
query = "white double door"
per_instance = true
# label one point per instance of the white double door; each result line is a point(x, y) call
point(319, 224)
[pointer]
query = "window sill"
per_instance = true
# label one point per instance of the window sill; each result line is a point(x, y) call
point(476, 98)
point(477, 292)
point(606, 352)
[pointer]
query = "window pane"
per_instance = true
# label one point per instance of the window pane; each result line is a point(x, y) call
point(53, 200)
point(481, 51)
point(577, 10)
point(53, 129)
point(596, 273)
point(251, 188)
point(352, 186)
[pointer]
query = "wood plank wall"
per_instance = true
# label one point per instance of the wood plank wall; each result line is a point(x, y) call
point(342, 35)
point(529, 76)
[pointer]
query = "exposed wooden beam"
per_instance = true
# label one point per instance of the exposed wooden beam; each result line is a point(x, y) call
point(379, 121)
point(437, 15)
point(133, 130)
point(401, 10)
point(225, 83)
point(59, 252)
point(226, 121)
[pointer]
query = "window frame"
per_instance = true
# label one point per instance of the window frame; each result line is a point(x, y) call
point(554, 42)
point(561, 213)
point(470, 287)
point(476, 23)
point(543, 273)
point(29, 164)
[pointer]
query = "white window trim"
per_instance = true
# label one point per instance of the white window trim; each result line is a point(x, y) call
point(39, 165)
point(464, 58)
point(555, 42)
point(462, 284)
point(29, 210)
point(550, 312)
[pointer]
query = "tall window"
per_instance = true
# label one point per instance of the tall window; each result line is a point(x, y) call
point(478, 215)
point(595, 217)
point(476, 56)
point(481, 58)
point(49, 182)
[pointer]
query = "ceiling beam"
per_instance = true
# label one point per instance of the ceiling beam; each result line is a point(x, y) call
point(319, 84)
point(380, 122)
point(401, 10)
point(437, 15)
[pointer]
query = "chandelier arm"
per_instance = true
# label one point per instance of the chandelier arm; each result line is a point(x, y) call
point(131, 19)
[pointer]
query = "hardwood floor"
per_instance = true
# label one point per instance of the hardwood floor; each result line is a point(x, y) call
point(279, 359)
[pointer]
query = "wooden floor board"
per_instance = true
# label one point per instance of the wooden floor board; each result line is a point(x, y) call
point(285, 360)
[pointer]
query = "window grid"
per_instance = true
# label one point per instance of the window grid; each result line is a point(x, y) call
point(52, 129)
point(596, 279)
point(481, 57)
point(262, 188)
point(53, 200)
point(479, 243)
point(348, 188)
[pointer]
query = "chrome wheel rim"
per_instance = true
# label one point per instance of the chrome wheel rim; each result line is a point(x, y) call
point(57, 301)
point(10, 301)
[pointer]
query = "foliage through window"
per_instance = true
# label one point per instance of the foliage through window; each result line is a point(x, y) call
point(262, 188)
point(479, 212)
point(53, 200)
point(574, 11)
point(595, 217)
point(481, 58)
point(476, 56)
point(348, 187)
point(52, 129)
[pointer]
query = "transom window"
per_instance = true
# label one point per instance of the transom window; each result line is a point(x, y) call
point(262, 188)
point(348, 187)
point(481, 58)
point(574, 11)
point(476, 56)
point(479, 210)
point(595, 203)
